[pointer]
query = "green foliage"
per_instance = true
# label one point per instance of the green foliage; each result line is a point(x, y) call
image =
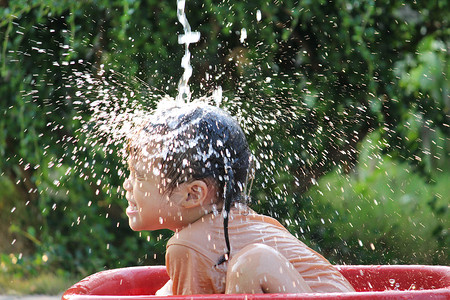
point(310, 83)
point(380, 214)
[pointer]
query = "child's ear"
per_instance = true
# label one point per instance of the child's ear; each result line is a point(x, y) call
point(195, 194)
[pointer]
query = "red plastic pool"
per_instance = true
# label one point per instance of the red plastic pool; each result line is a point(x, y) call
point(370, 282)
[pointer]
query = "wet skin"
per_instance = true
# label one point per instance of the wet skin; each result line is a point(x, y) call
point(150, 207)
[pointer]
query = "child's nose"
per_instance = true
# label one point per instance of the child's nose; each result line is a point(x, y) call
point(127, 185)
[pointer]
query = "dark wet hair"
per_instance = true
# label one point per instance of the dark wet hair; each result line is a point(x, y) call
point(193, 142)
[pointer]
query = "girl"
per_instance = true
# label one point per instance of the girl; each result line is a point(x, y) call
point(189, 170)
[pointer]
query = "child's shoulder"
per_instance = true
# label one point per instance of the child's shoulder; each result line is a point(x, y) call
point(252, 217)
point(207, 233)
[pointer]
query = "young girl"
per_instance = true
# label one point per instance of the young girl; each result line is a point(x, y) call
point(189, 169)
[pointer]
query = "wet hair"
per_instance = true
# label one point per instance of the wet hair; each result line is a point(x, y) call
point(193, 142)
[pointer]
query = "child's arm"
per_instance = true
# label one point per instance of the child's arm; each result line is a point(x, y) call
point(258, 268)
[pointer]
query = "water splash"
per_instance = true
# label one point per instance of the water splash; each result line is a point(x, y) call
point(114, 106)
point(189, 37)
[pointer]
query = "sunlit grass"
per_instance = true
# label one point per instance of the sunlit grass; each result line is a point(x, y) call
point(44, 284)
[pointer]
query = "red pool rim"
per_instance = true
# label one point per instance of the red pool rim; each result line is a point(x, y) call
point(370, 282)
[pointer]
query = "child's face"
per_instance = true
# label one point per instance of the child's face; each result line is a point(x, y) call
point(148, 207)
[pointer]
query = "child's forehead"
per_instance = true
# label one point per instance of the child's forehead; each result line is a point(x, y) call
point(139, 162)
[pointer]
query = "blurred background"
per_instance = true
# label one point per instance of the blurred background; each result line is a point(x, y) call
point(345, 104)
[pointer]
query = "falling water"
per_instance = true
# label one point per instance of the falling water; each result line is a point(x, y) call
point(189, 37)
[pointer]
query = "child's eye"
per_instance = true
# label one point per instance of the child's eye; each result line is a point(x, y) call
point(140, 177)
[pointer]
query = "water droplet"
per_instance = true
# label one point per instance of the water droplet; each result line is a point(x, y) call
point(157, 171)
point(258, 15)
point(243, 35)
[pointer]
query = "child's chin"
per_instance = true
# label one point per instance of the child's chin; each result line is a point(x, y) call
point(139, 227)
point(134, 226)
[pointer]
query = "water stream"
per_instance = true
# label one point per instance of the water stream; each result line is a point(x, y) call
point(189, 37)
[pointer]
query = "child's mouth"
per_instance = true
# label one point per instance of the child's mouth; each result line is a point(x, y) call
point(132, 208)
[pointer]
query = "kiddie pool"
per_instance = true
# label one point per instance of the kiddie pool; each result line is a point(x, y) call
point(370, 282)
